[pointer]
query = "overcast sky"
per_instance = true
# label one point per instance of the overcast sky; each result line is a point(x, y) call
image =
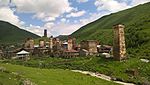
point(59, 17)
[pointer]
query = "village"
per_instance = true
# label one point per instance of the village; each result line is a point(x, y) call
point(54, 47)
point(74, 42)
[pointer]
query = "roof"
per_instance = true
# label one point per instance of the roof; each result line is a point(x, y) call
point(98, 46)
point(107, 46)
point(65, 43)
point(85, 50)
point(22, 52)
point(36, 46)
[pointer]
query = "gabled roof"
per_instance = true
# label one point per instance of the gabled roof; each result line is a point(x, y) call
point(22, 52)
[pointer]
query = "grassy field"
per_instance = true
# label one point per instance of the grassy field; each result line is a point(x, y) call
point(109, 67)
point(7, 79)
point(47, 76)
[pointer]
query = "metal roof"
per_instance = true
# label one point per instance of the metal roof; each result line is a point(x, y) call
point(22, 52)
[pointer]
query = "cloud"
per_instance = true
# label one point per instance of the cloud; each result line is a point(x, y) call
point(64, 29)
point(137, 2)
point(50, 9)
point(67, 28)
point(48, 25)
point(76, 14)
point(117, 5)
point(63, 20)
point(6, 14)
point(110, 5)
point(81, 1)
point(54, 29)
point(35, 29)
point(4, 3)
point(92, 17)
point(40, 29)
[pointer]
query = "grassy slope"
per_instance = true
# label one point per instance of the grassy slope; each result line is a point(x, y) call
point(50, 77)
point(101, 29)
point(10, 33)
point(7, 79)
point(62, 37)
point(106, 66)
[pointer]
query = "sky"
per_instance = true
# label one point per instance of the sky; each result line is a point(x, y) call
point(59, 17)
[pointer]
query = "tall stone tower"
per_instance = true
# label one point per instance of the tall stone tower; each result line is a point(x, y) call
point(119, 49)
point(29, 43)
point(74, 43)
point(51, 42)
point(41, 43)
point(70, 43)
point(45, 32)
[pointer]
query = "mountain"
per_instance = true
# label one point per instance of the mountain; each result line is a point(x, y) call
point(137, 31)
point(101, 29)
point(62, 37)
point(12, 34)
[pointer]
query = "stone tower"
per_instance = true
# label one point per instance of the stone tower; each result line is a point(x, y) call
point(74, 43)
point(29, 43)
point(119, 49)
point(70, 43)
point(45, 33)
point(41, 43)
point(51, 42)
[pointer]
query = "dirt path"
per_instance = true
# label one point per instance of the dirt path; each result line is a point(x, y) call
point(102, 76)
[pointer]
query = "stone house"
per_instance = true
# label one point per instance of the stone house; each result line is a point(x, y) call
point(83, 52)
point(22, 55)
point(70, 53)
point(90, 46)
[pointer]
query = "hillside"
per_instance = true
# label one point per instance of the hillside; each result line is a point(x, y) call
point(137, 31)
point(62, 37)
point(10, 33)
point(137, 18)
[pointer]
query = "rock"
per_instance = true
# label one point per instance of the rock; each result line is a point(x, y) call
point(27, 82)
point(145, 60)
point(107, 55)
point(133, 72)
point(113, 78)
point(2, 69)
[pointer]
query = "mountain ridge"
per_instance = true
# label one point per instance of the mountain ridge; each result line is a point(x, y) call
point(126, 17)
point(10, 33)
point(137, 29)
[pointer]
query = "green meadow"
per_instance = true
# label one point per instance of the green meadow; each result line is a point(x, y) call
point(99, 64)
point(46, 76)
